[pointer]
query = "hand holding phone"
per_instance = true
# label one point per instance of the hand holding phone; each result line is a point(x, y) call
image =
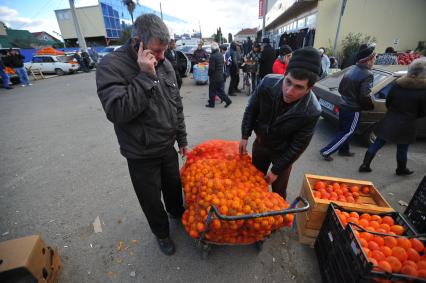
point(146, 59)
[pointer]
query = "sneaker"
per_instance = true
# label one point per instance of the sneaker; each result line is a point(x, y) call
point(349, 154)
point(227, 104)
point(326, 157)
point(23, 85)
point(30, 84)
point(166, 246)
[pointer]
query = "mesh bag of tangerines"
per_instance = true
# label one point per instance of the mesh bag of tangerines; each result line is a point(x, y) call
point(215, 174)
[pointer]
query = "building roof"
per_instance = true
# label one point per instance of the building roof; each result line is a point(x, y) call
point(38, 33)
point(247, 31)
point(21, 39)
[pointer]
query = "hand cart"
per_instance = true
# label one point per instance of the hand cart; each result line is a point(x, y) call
point(206, 245)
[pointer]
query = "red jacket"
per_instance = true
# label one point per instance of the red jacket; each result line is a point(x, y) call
point(279, 67)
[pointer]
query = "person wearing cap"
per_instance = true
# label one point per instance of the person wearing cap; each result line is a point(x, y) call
point(280, 64)
point(283, 112)
point(355, 89)
point(267, 58)
point(406, 102)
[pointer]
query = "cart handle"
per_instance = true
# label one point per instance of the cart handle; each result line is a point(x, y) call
point(292, 209)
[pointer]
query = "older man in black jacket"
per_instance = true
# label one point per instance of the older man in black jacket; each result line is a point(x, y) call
point(355, 88)
point(283, 112)
point(216, 77)
point(139, 94)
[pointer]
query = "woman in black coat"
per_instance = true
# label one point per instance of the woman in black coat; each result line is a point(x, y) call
point(406, 103)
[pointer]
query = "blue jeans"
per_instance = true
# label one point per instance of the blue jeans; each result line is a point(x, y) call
point(348, 123)
point(4, 78)
point(401, 149)
point(23, 76)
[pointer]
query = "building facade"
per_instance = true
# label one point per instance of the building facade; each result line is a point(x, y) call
point(101, 23)
point(244, 33)
point(395, 23)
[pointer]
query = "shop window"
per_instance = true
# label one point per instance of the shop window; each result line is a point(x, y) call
point(311, 20)
point(301, 23)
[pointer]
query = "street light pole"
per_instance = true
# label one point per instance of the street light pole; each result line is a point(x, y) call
point(81, 41)
point(265, 6)
point(341, 11)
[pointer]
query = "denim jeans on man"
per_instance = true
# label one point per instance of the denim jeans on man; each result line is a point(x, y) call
point(401, 149)
point(23, 76)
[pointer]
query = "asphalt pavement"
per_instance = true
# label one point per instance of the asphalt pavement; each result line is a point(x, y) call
point(60, 169)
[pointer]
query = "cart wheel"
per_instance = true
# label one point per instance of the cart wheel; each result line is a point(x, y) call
point(205, 250)
point(259, 246)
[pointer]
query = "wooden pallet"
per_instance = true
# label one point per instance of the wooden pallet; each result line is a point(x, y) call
point(309, 223)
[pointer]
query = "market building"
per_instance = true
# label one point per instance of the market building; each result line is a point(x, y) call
point(102, 23)
point(393, 23)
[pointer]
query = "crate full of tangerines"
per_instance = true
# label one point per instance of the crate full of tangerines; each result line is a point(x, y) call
point(355, 246)
point(215, 175)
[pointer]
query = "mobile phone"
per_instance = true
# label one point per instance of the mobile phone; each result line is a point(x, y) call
point(137, 45)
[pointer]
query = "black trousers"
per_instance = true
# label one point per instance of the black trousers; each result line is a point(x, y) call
point(262, 159)
point(233, 84)
point(150, 178)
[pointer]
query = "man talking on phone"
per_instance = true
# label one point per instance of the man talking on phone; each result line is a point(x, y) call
point(138, 91)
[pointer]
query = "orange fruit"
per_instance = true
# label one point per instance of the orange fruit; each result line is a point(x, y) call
point(365, 190)
point(367, 251)
point(354, 189)
point(355, 195)
point(404, 243)
point(365, 235)
point(384, 265)
point(413, 255)
point(365, 216)
point(421, 273)
point(386, 251)
point(421, 264)
point(417, 245)
point(379, 240)
point(390, 241)
point(350, 199)
point(399, 253)
point(319, 185)
point(363, 223)
point(395, 263)
point(353, 220)
point(329, 188)
point(364, 243)
point(408, 270)
point(376, 218)
point(378, 255)
point(388, 220)
point(385, 227)
point(374, 224)
point(373, 261)
point(372, 245)
point(397, 229)
point(336, 186)
point(354, 214)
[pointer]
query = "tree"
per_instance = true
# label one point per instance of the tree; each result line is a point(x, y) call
point(219, 35)
point(229, 37)
point(130, 7)
point(126, 33)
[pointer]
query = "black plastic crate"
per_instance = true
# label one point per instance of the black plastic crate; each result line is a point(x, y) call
point(416, 210)
point(332, 230)
point(333, 247)
point(355, 256)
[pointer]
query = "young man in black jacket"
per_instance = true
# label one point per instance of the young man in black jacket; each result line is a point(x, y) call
point(283, 112)
point(355, 88)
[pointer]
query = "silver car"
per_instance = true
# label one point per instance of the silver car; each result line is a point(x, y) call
point(384, 75)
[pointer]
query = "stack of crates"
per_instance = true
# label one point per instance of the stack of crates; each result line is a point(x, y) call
point(339, 251)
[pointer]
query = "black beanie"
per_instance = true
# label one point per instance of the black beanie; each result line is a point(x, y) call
point(365, 52)
point(285, 49)
point(307, 58)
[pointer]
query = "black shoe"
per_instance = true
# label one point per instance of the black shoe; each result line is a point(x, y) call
point(166, 246)
point(365, 166)
point(403, 172)
point(326, 157)
point(227, 104)
point(232, 94)
point(209, 106)
point(348, 153)
point(401, 169)
point(9, 87)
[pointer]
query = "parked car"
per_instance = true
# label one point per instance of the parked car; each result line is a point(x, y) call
point(106, 51)
point(384, 75)
point(56, 64)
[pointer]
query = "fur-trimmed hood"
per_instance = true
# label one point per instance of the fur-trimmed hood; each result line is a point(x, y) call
point(411, 83)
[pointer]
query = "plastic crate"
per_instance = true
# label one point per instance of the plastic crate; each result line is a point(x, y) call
point(338, 254)
point(416, 210)
point(361, 266)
